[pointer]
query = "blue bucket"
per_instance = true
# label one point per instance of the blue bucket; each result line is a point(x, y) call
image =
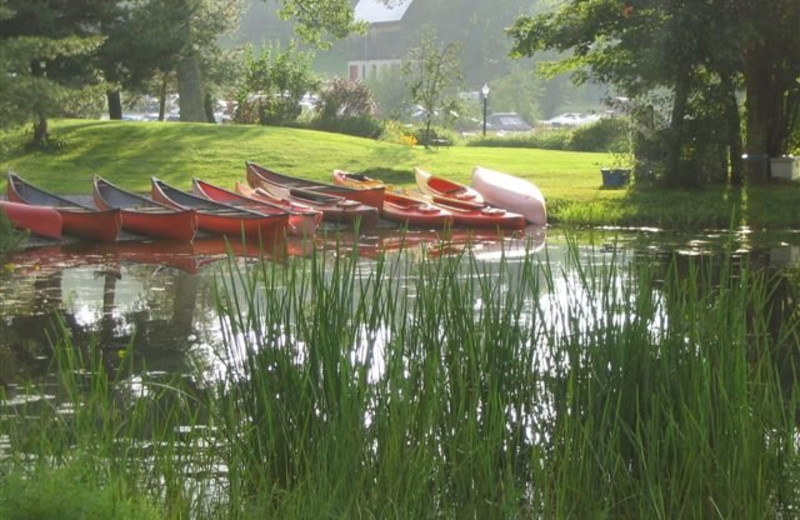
point(615, 178)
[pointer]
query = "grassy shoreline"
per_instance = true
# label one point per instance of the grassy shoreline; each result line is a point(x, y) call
point(128, 153)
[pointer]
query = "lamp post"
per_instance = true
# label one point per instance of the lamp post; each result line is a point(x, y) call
point(485, 92)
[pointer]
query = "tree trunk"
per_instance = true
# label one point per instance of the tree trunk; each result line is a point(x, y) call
point(674, 175)
point(162, 98)
point(41, 133)
point(190, 89)
point(734, 127)
point(208, 106)
point(114, 105)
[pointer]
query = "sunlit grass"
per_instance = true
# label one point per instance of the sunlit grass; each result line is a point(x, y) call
point(128, 153)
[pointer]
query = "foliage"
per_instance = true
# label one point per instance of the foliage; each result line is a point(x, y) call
point(359, 126)
point(69, 493)
point(274, 83)
point(320, 20)
point(677, 375)
point(432, 73)
point(699, 52)
point(609, 134)
point(10, 238)
point(434, 136)
point(345, 98)
point(389, 92)
point(518, 91)
point(33, 83)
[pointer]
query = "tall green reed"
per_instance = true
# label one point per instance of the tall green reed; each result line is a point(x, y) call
point(412, 386)
point(451, 387)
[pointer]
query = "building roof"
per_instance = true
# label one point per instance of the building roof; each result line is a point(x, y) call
point(377, 11)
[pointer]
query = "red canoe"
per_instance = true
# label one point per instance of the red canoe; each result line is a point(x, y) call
point(434, 185)
point(258, 176)
point(45, 222)
point(144, 216)
point(223, 219)
point(76, 219)
point(474, 215)
point(406, 210)
point(301, 222)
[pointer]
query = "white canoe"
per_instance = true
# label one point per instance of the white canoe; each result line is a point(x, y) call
point(511, 193)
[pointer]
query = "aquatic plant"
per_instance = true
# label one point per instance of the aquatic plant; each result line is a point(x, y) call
point(412, 386)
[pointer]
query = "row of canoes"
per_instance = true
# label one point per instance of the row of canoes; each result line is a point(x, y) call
point(272, 205)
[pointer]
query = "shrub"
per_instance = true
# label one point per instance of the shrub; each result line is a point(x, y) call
point(9, 237)
point(345, 98)
point(274, 84)
point(438, 136)
point(544, 139)
point(610, 134)
point(359, 126)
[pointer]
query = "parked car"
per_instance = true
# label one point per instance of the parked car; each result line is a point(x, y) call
point(571, 119)
point(507, 122)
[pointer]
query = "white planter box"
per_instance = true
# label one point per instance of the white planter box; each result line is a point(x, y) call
point(787, 168)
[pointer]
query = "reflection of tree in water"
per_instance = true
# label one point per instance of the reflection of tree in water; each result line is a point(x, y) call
point(161, 326)
point(779, 312)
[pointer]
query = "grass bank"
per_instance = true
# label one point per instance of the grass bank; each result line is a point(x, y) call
point(631, 389)
point(130, 152)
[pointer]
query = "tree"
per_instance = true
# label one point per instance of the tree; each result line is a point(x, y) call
point(38, 51)
point(432, 73)
point(274, 82)
point(700, 51)
point(318, 20)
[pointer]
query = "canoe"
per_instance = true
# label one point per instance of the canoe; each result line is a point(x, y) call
point(221, 219)
point(258, 175)
point(302, 223)
point(333, 208)
point(430, 184)
point(76, 219)
point(355, 180)
point(144, 216)
point(45, 222)
point(415, 213)
point(512, 193)
point(474, 215)
point(396, 207)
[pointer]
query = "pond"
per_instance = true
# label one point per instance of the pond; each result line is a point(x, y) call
point(335, 358)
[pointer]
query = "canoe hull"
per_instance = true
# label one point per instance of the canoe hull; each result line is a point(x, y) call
point(102, 225)
point(45, 222)
point(143, 216)
point(299, 224)
point(414, 213)
point(511, 193)
point(334, 209)
point(303, 220)
point(221, 219)
point(77, 220)
point(371, 196)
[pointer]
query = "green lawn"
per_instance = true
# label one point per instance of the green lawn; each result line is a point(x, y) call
point(128, 153)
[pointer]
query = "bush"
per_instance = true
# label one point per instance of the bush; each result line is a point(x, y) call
point(359, 126)
point(544, 139)
point(438, 136)
point(10, 238)
point(610, 134)
point(273, 85)
point(345, 98)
